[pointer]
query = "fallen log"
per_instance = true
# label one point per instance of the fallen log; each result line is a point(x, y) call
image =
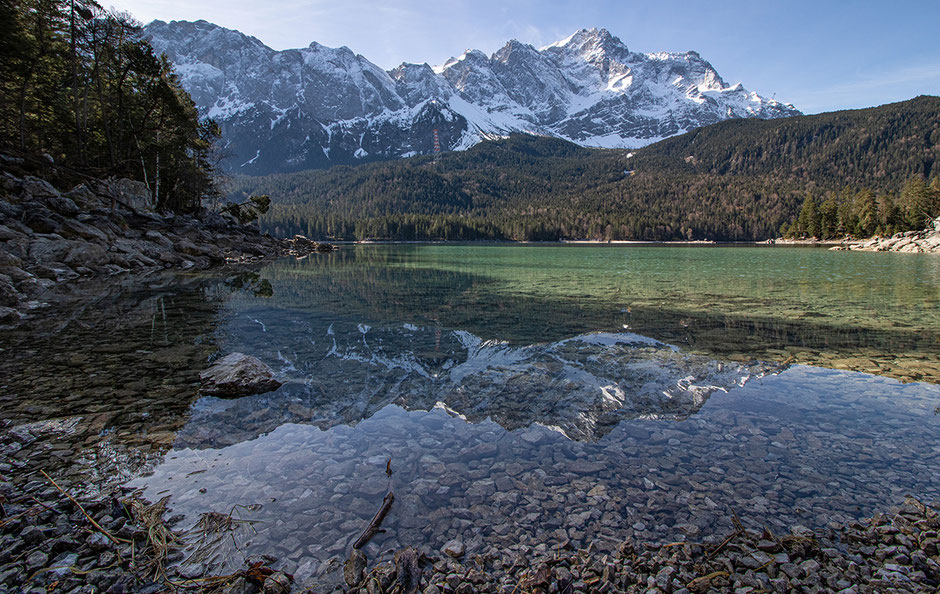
point(374, 525)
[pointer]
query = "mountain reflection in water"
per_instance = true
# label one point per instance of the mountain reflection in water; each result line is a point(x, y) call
point(580, 386)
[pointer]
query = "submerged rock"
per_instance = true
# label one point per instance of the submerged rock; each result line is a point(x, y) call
point(238, 374)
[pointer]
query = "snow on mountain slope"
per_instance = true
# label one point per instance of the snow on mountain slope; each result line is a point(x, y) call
point(319, 106)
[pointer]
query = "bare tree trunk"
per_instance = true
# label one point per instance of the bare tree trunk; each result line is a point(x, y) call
point(74, 51)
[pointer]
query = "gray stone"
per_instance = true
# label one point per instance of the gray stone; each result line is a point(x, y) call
point(62, 566)
point(277, 583)
point(7, 234)
point(8, 315)
point(32, 535)
point(454, 548)
point(131, 193)
point(86, 255)
point(238, 374)
point(36, 560)
point(98, 541)
point(791, 570)
point(83, 196)
point(62, 205)
point(9, 260)
point(158, 237)
point(72, 229)
point(9, 296)
point(190, 571)
point(39, 188)
point(40, 223)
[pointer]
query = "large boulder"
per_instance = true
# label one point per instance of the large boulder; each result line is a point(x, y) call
point(86, 255)
point(131, 193)
point(237, 375)
point(9, 296)
point(73, 229)
point(8, 315)
point(55, 249)
point(7, 234)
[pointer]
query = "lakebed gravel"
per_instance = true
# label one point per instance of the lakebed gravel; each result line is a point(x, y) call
point(50, 544)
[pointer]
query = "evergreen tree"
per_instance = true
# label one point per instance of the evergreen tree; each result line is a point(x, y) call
point(82, 84)
point(808, 221)
point(866, 213)
point(917, 203)
point(829, 226)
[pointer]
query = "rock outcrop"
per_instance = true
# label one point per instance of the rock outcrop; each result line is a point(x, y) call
point(49, 237)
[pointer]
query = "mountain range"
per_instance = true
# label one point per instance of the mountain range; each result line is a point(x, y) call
point(735, 180)
point(317, 106)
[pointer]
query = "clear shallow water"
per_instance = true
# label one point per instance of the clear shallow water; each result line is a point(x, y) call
point(808, 447)
point(528, 396)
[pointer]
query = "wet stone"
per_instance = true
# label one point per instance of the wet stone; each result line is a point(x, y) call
point(454, 548)
point(36, 560)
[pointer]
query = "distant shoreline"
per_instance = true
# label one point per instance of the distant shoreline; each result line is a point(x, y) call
point(594, 242)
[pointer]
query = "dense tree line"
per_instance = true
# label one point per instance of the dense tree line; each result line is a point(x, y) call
point(738, 180)
point(80, 84)
point(864, 214)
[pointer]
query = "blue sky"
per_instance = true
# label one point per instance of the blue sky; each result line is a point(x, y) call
point(819, 55)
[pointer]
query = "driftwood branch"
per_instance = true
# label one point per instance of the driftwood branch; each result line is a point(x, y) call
point(373, 528)
point(110, 536)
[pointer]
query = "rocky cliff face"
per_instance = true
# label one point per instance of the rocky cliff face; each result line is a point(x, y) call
point(318, 106)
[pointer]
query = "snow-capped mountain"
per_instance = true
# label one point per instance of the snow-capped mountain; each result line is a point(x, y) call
point(319, 106)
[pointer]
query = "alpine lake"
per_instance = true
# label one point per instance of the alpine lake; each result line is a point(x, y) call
point(525, 397)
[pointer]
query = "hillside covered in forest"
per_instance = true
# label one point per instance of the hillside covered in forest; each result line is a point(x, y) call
point(868, 171)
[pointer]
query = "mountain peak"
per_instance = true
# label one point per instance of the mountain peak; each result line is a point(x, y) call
point(514, 46)
point(593, 36)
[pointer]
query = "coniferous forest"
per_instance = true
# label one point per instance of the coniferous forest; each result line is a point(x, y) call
point(80, 87)
point(858, 173)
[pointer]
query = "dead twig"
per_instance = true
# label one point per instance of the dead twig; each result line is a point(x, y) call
point(110, 536)
point(703, 582)
point(374, 525)
point(159, 537)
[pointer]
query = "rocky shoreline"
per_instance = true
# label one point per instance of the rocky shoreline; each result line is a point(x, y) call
point(51, 542)
point(926, 241)
point(100, 228)
point(916, 242)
